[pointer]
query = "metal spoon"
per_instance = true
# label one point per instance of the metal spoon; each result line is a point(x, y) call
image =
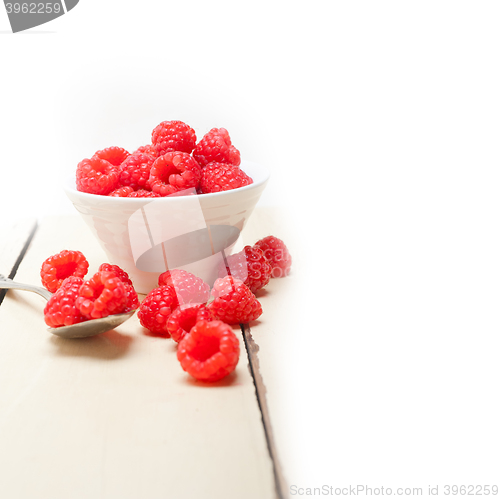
point(80, 330)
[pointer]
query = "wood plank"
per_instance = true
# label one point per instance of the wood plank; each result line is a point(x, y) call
point(114, 416)
point(267, 341)
point(260, 388)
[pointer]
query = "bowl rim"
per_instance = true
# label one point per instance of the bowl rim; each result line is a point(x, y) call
point(263, 172)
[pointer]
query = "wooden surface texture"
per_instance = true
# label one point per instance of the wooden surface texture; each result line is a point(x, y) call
point(114, 416)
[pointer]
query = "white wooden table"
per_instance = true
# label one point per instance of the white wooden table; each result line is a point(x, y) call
point(114, 416)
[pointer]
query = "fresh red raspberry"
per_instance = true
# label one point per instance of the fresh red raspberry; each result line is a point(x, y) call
point(277, 254)
point(174, 171)
point(156, 308)
point(61, 309)
point(217, 177)
point(102, 295)
point(132, 302)
point(114, 155)
point(210, 351)
point(58, 267)
point(121, 192)
point(132, 298)
point(96, 176)
point(250, 266)
point(184, 317)
point(189, 288)
point(148, 149)
point(173, 136)
point(117, 271)
point(134, 171)
point(234, 303)
point(143, 193)
point(215, 146)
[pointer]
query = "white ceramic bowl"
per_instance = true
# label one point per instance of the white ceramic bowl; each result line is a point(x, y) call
point(144, 236)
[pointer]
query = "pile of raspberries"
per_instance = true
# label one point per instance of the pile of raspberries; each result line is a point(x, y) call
point(182, 306)
point(174, 163)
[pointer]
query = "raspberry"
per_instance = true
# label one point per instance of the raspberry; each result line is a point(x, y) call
point(277, 254)
point(215, 146)
point(189, 288)
point(102, 295)
point(156, 308)
point(250, 266)
point(148, 149)
point(217, 177)
point(173, 136)
point(114, 155)
point(117, 271)
point(132, 301)
point(143, 193)
point(234, 303)
point(61, 309)
point(209, 351)
point(184, 317)
point(96, 176)
point(121, 192)
point(58, 267)
point(173, 172)
point(134, 171)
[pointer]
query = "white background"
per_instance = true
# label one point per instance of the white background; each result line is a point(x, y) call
point(380, 122)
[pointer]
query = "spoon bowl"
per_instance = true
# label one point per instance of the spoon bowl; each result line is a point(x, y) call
point(80, 330)
point(91, 327)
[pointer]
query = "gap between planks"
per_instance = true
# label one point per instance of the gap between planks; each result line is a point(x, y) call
point(14, 248)
point(260, 391)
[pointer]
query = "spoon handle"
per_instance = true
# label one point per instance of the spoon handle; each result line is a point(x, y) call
point(6, 283)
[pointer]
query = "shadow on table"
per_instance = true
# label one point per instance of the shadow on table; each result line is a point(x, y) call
point(230, 380)
point(35, 305)
point(106, 346)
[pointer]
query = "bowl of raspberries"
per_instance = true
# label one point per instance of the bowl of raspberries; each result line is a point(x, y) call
point(179, 201)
